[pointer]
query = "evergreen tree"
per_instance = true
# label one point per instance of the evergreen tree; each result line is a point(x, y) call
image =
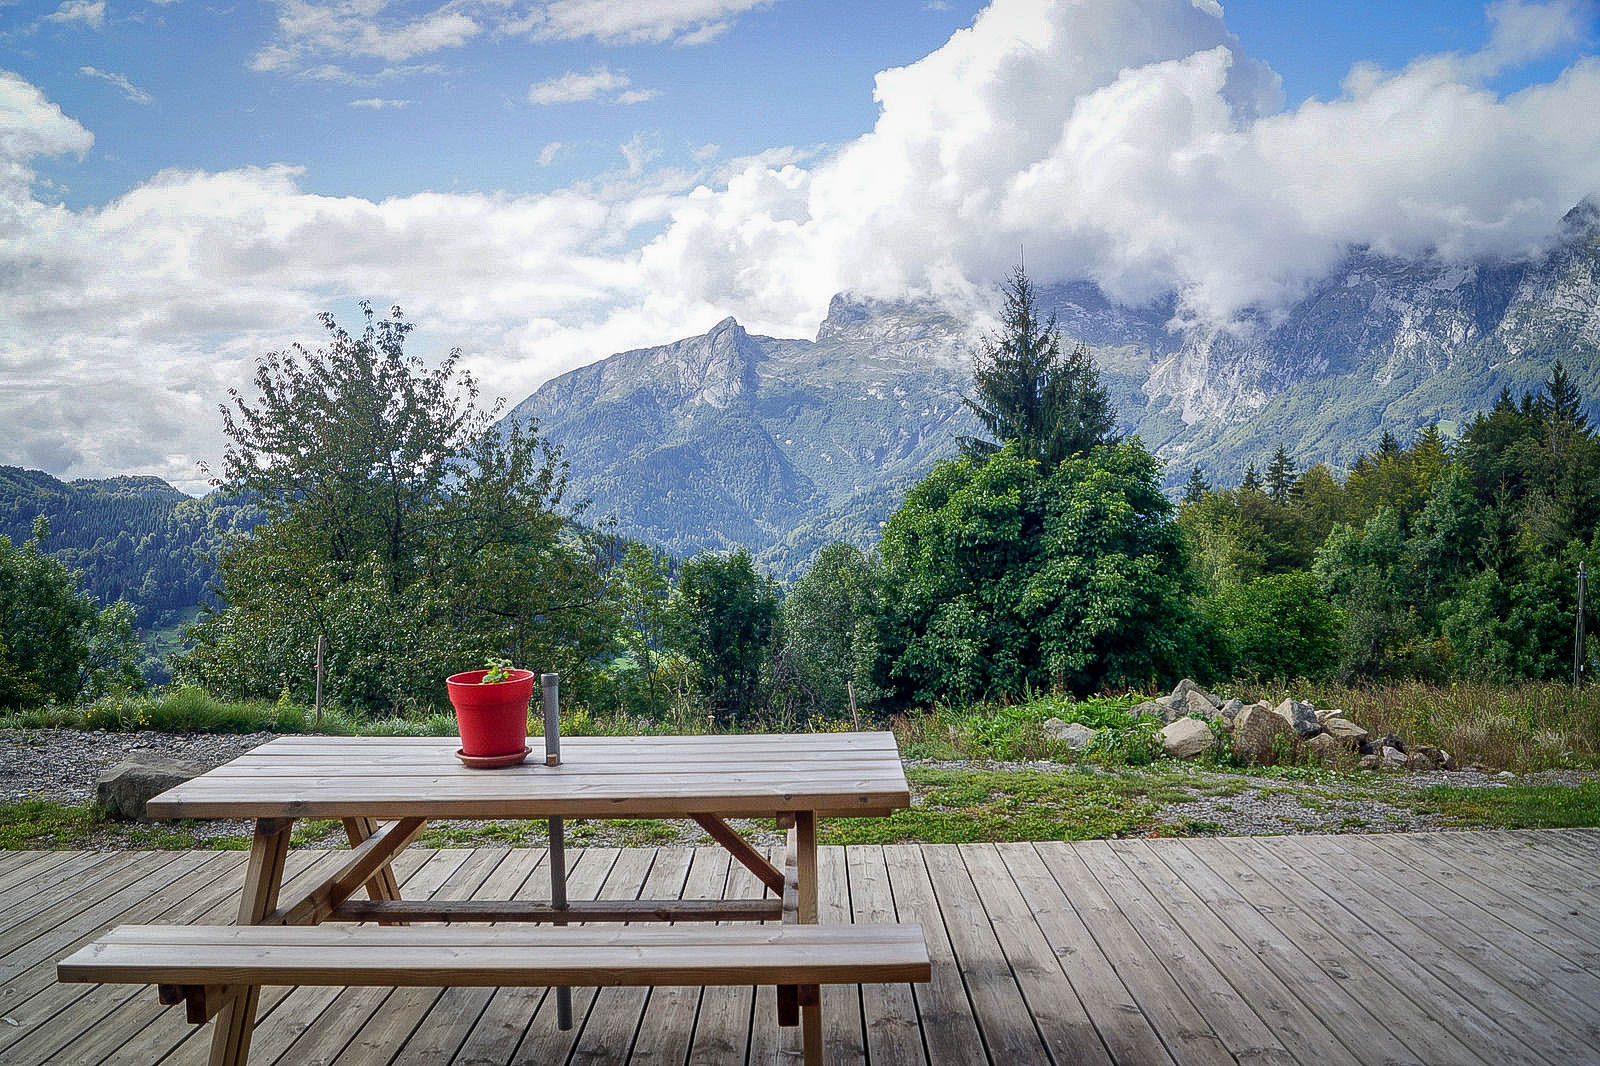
point(1388, 445)
point(1196, 489)
point(1029, 391)
point(1562, 404)
point(1280, 476)
point(1252, 479)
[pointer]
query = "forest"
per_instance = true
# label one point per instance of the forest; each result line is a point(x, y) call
point(398, 519)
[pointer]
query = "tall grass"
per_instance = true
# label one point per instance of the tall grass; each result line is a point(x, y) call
point(1526, 727)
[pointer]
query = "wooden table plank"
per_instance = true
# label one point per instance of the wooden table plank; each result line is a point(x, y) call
point(835, 774)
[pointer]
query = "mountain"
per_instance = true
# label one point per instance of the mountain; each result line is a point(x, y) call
point(782, 445)
point(132, 538)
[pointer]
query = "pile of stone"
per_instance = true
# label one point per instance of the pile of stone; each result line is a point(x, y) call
point(1261, 733)
point(1195, 722)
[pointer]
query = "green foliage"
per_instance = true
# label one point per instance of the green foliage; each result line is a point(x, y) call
point(1001, 578)
point(723, 618)
point(1051, 404)
point(54, 643)
point(402, 524)
point(499, 670)
point(129, 538)
point(830, 628)
point(1277, 625)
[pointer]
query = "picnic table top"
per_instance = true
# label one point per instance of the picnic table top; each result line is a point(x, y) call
point(749, 776)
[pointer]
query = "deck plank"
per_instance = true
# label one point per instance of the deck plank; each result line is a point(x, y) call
point(1440, 948)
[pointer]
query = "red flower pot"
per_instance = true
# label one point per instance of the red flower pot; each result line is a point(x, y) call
point(493, 718)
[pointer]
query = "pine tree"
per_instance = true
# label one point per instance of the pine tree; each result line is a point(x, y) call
point(1027, 390)
point(1280, 476)
point(1388, 445)
point(1561, 403)
point(1197, 487)
point(1252, 479)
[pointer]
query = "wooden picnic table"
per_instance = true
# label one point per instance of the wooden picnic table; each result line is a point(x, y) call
point(385, 789)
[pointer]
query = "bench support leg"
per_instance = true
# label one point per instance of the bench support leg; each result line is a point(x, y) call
point(263, 877)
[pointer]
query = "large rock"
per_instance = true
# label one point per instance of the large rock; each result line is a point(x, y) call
point(1301, 716)
point(1231, 709)
point(1076, 735)
point(1393, 759)
point(1324, 749)
point(1345, 732)
point(1167, 708)
point(1200, 705)
point(123, 790)
point(1186, 687)
point(1258, 734)
point(1187, 738)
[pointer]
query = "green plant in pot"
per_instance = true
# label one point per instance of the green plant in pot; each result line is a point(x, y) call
point(492, 709)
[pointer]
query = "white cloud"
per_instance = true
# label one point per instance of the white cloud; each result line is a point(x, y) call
point(601, 83)
point(309, 32)
point(90, 14)
point(378, 103)
point(549, 152)
point(1131, 142)
point(684, 22)
point(129, 90)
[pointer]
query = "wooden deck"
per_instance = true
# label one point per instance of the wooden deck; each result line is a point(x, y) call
point(1474, 948)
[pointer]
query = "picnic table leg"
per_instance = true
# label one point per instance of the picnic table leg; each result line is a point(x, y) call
point(384, 885)
point(230, 1041)
point(809, 996)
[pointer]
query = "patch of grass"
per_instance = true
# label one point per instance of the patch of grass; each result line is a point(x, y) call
point(42, 824)
point(962, 806)
point(1513, 806)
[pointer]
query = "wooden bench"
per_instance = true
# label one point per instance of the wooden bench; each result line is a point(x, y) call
point(205, 966)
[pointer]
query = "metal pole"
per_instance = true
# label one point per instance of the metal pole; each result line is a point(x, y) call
point(1577, 633)
point(322, 643)
point(550, 685)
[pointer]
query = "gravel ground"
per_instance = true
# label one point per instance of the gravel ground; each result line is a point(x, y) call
point(62, 765)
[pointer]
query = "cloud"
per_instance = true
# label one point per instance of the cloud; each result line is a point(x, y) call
point(378, 103)
point(1134, 143)
point(310, 32)
point(548, 153)
point(129, 90)
point(601, 83)
point(683, 22)
point(90, 14)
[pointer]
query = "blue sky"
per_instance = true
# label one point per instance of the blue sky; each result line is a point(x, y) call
point(184, 185)
point(175, 88)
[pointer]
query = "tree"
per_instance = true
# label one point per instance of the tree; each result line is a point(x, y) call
point(55, 644)
point(1280, 476)
point(1028, 391)
point(723, 615)
point(1278, 626)
point(402, 524)
point(1001, 577)
point(642, 590)
point(1196, 488)
point(830, 625)
point(1252, 478)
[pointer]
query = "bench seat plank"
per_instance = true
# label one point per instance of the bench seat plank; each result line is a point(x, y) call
point(501, 956)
